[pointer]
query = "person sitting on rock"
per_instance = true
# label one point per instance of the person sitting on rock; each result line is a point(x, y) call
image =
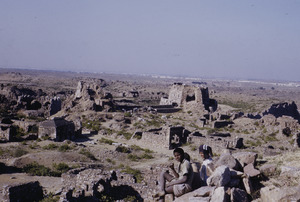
point(207, 167)
point(181, 182)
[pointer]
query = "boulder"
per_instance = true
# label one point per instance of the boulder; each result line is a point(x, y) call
point(219, 195)
point(248, 185)
point(276, 194)
point(250, 170)
point(238, 195)
point(229, 161)
point(220, 177)
point(199, 195)
point(245, 158)
point(268, 169)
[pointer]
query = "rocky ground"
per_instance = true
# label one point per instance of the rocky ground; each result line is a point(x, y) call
point(107, 144)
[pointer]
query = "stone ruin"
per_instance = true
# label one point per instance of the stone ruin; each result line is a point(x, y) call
point(31, 191)
point(55, 105)
point(90, 96)
point(284, 109)
point(190, 98)
point(57, 129)
point(168, 136)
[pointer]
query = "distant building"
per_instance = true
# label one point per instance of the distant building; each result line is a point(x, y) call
point(57, 129)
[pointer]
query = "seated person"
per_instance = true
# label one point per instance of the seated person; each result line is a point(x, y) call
point(207, 167)
point(181, 180)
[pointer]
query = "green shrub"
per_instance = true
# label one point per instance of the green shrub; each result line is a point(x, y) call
point(50, 198)
point(50, 146)
point(147, 156)
point(110, 161)
point(125, 134)
point(127, 114)
point(133, 157)
point(122, 149)
point(64, 148)
point(19, 152)
point(34, 146)
point(91, 124)
point(136, 173)
point(106, 141)
point(39, 170)
point(87, 154)
point(61, 167)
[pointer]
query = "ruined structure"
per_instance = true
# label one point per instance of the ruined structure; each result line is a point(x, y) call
point(31, 191)
point(190, 98)
point(55, 105)
point(90, 96)
point(6, 132)
point(282, 109)
point(57, 129)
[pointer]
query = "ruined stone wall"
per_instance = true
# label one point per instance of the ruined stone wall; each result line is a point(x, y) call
point(190, 98)
point(26, 125)
point(286, 121)
point(31, 191)
point(47, 130)
point(5, 132)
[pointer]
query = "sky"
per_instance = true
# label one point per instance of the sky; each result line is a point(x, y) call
point(250, 39)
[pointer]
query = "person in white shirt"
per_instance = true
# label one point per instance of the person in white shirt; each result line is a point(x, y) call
point(207, 167)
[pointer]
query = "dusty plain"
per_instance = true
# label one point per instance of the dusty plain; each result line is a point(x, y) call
point(105, 130)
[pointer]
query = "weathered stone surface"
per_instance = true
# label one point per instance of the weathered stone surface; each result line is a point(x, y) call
point(219, 195)
point(276, 194)
point(248, 185)
point(220, 177)
point(250, 170)
point(201, 194)
point(31, 191)
point(268, 169)
point(289, 171)
point(238, 195)
point(245, 158)
point(227, 160)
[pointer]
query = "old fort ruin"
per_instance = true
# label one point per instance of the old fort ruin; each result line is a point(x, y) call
point(190, 98)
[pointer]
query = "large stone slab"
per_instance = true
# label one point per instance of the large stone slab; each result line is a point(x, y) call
point(245, 158)
point(220, 177)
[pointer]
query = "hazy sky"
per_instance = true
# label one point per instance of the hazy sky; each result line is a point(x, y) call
point(257, 39)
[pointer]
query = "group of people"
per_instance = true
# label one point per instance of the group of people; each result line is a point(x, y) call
point(180, 180)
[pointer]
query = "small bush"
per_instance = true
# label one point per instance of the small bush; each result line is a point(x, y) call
point(19, 152)
point(50, 146)
point(133, 157)
point(34, 146)
point(123, 149)
point(87, 154)
point(125, 134)
point(61, 167)
point(111, 161)
point(64, 148)
point(136, 173)
point(50, 198)
point(147, 156)
point(106, 141)
point(39, 170)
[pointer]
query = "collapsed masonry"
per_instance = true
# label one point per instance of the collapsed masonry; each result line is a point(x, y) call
point(90, 96)
point(57, 129)
point(190, 98)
